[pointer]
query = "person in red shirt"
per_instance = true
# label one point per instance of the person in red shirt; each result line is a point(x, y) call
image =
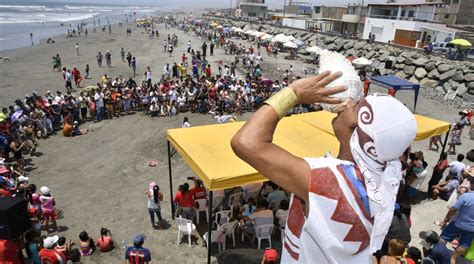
point(187, 202)
point(105, 241)
point(10, 252)
point(77, 77)
point(208, 71)
point(49, 255)
point(198, 192)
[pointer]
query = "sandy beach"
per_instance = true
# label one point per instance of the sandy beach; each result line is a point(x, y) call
point(99, 179)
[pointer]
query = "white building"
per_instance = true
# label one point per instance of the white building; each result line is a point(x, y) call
point(251, 8)
point(408, 24)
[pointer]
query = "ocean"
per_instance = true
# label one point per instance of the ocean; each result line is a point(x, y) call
point(48, 19)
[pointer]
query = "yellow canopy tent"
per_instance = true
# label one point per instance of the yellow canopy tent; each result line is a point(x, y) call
point(206, 149)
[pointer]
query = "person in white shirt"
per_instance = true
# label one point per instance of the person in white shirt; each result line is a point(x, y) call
point(99, 105)
point(261, 216)
point(282, 213)
point(154, 109)
point(186, 123)
point(456, 168)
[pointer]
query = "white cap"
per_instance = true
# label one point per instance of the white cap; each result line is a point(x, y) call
point(50, 241)
point(44, 190)
point(22, 178)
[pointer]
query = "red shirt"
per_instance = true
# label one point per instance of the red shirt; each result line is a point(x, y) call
point(178, 198)
point(198, 192)
point(208, 72)
point(9, 252)
point(104, 245)
point(188, 200)
point(4, 192)
point(51, 256)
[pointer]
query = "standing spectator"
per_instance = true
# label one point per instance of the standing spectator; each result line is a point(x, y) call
point(48, 207)
point(212, 48)
point(77, 49)
point(99, 58)
point(77, 77)
point(154, 198)
point(87, 71)
point(129, 59)
point(462, 226)
point(137, 254)
point(399, 229)
point(204, 49)
point(455, 138)
point(134, 66)
point(99, 104)
point(122, 55)
point(68, 80)
point(108, 58)
point(32, 247)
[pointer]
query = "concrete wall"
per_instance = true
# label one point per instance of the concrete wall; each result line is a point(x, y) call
point(384, 29)
point(294, 23)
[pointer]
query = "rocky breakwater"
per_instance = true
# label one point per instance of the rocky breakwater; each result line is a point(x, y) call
point(436, 75)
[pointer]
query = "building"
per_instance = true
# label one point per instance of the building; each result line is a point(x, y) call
point(409, 24)
point(354, 19)
point(329, 17)
point(251, 8)
point(456, 13)
point(298, 8)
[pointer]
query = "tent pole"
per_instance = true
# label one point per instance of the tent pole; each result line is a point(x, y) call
point(170, 179)
point(209, 228)
point(445, 141)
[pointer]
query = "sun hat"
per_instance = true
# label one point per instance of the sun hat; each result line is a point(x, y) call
point(22, 178)
point(50, 241)
point(4, 169)
point(44, 190)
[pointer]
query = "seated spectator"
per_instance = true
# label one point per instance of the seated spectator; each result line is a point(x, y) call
point(63, 247)
point(154, 109)
point(86, 244)
point(75, 256)
point(282, 213)
point(433, 249)
point(462, 227)
point(249, 207)
point(270, 256)
point(446, 188)
point(275, 196)
point(138, 254)
point(105, 241)
point(261, 216)
point(50, 255)
point(251, 190)
point(399, 228)
point(396, 248)
point(456, 168)
point(413, 255)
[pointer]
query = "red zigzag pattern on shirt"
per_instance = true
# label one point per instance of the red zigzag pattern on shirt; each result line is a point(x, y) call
point(323, 182)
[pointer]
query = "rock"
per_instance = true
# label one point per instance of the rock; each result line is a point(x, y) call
point(409, 70)
point(428, 83)
point(434, 74)
point(401, 59)
point(420, 73)
point(351, 52)
point(401, 75)
point(430, 66)
point(415, 55)
point(339, 45)
point(441, 89)
point(469, 77)
point(413, 79)
point(447, 86)
point(470, 88)
point(399, 66)
point(462, 90)
point(408, 61)
point(405, 54)
point(454, 85)
point(447, 75)
point(359, 45)
point(420, 61)
point(370, 54)
point(331, 46)
point(442, 68)
point(458, 76)
point(349, 45)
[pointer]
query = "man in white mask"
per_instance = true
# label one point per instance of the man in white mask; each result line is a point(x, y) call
point(341, 208)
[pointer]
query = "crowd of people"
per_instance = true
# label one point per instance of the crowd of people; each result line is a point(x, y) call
point(206, 89)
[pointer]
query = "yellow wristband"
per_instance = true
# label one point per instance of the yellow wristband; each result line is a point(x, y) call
point(282, 101)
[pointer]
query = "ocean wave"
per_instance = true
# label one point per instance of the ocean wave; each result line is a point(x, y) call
point(45, 18)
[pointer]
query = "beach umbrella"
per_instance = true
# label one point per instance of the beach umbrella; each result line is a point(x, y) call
point(267, 37)
point(291, 38)
point(280, 38)
point(261, 34)
point(238, 30)
point(214, 24)
point(290, 44)
point(461, 42)
point(90, 88)
point(360, 62)
point(298, 42)
point(16, 115)
point(314, 49)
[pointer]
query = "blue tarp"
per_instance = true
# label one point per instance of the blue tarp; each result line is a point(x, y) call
point(391, 81)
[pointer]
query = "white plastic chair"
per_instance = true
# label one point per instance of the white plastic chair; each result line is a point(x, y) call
point(216, 201)
point(264, 232)
point(229, 229)
point(214, 239)
point(222, 217)
point(201, 207)
point(234, 201)
point(185, 227)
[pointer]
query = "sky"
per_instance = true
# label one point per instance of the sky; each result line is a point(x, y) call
point(204, 3)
